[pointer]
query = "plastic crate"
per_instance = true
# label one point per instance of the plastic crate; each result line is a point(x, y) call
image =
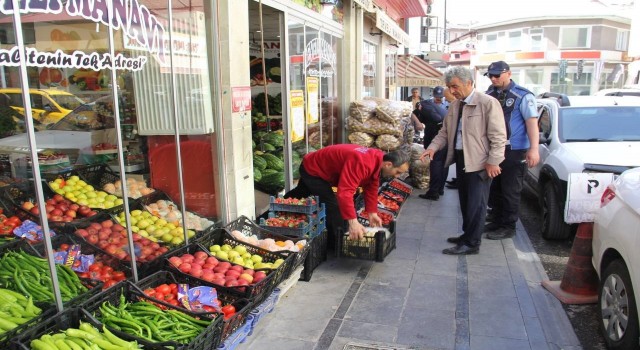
point(144, 268)
point(249, 228)
point(365, 220)
point(400, 185)
point(8, 338)
point(243, 306)
point(209, 338)
point(239, 336)
point(54, 323)
point(392, 205)
point(303, 229)
point(156, 196)
point(316, 256)
point(12, 197)
point(294, 208)
point(369, 248)
point(267, 306)
point(255, 292)
point(394, 194)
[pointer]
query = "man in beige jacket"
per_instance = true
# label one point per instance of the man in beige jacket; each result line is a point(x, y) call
point(475, 136)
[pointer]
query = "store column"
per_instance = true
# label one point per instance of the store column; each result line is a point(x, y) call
point(233, 29)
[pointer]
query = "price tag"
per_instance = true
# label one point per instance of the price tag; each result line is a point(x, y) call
point(583, 197)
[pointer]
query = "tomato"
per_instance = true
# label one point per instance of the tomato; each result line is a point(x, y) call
point(174, 302)
point(228, 309)
point(150, 292)
point(163, 288)
point(14, 220)
point(109, 284)
point(64, 247)
point(118, 276)
point(106, 270)
point(83, 275)
point(159, 296)
point(169, 296)
point(174, 287)
point(106, 276)
point(208, 308)
point(6, 230)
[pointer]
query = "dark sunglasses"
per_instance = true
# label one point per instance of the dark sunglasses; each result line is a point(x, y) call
point(495, 75)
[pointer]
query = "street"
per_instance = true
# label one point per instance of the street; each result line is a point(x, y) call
point(554, 256)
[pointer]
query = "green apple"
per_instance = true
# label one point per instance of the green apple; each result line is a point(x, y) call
point(256, 258)
point(237, 260)
point(214, 248)
point(247, 256)
point(222, 255)
point(226, 247)
point(240, 249)
point(233, 254)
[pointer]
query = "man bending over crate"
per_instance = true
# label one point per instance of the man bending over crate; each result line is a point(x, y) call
point(347, 167)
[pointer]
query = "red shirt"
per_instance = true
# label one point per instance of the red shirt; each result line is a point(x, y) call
point(348, 167)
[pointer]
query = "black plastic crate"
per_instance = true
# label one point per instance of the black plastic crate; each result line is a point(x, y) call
point(400, 186)
point(249, 228)
point(394, 194)
point(220, 236)
point(243, 306)
point(12, 197)
point(368, 248)
point(317, 255)
point(256, 292)
point(210, 338)
point(156, 196)
point(55, 323)
point(144, 268)
point(309, 208)
point(391, 217)
point(7, 339)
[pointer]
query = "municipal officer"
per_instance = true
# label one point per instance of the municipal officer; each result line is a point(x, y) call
point(521, 119)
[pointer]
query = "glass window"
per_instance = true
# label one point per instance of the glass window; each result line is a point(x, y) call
point(599, 124)
point(622, 40)
point(533, 80)
point(368, 69)
point(514, 41)
point(572, 84)
point(491, 43)
point(536, 37)
point(544, 122)
point(390, 73)
point(575, 37)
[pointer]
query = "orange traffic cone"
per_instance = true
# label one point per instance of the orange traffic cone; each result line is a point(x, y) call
point(580, 281)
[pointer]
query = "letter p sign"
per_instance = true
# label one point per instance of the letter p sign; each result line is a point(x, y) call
point(592, 184)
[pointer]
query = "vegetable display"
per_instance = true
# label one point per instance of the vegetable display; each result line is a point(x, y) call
point(29, 275)
point(15, 310)
point(85, 336)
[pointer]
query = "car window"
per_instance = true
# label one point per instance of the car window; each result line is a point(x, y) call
point(90, 116)
point(70, 102)
point(39, 101)
point(599, 124)
point(544, 121)
point(16, 100)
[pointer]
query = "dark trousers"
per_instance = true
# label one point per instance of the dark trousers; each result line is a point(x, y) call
point(473, 193)
point(504, 197)
point(437, 173)
point(310, 185)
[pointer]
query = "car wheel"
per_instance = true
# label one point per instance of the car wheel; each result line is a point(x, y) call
point(618, 313)
point(553, 225)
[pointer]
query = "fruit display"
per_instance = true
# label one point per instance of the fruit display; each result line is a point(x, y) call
point(78, 191)
point(7, 224)
point(169, 293)
point(135, 188)
point(59, 209)
point(167, 210)
point(240, 256)
point(112, 238)
point(15, 309)
point(269, 243)
point(388, 204)
point(147, 225)
point(208, 268)
point(104, 273)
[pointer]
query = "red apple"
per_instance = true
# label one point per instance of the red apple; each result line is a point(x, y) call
point(212, 260)
point(175, 261)
point(67, 218)
point(220, 268)
point(207, 275)
point(200, 255)
point(56, 218)
point(237, 268)
point(185, 267)
point(58, 198)
point(218, 281)
point(231, 283)
point(259, 276)
point(93, 239)
point(84, 210)
point(107, 223)
point(50, 201)
point(92, 213)
point(35, 211)
point(187, 258)
point(27, 205)
point(71, 213)
point(74, 206)
point(249, 272)
point(82, 232)
point(245, 277)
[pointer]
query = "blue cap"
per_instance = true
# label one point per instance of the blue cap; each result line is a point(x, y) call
point(497, 68)
point(438, 91)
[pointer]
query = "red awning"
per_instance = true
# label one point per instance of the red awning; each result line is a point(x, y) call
point(414, 71)
point(398, 9)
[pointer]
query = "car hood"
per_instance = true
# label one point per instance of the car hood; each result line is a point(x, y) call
point(48, 139)
point(626, 154)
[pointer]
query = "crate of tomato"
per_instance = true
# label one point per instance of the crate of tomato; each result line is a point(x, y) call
point(288, 224)
point(386, 216)
point(389, 204)
point(165, 288)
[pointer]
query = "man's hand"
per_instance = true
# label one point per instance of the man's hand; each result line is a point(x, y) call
point(532, 157)
point(427, 153)
point(356, 230)
point(492, 170)
point(374, 220)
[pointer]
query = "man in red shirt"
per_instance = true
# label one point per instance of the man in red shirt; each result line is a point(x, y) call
point(347, 167)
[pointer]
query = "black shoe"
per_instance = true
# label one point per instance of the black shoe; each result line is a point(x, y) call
point(452, 181)
point(433, 197)
point(461, 250)
point(502, 233)
point(441, 193)
point(492, 226)
point(453, 186)
point(454, 240)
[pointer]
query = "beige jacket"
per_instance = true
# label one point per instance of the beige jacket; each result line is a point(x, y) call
point(484, 133)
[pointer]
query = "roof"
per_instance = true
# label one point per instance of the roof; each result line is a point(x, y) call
point(414, 71)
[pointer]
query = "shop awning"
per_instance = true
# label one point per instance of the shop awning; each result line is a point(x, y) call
point(414, 71)
point(398, 9)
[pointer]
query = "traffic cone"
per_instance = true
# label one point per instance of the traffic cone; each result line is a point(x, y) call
point(580, 281)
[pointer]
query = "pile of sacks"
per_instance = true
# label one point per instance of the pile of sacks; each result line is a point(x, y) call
point(380, 123)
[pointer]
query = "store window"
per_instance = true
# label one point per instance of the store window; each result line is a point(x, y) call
point(368, 69)
point(390, 59)
point(533, 80)
point(572, 84)
point(514, 40)
point(491, 43)
point(113, 119)
point(536, 37)
point(575, 37)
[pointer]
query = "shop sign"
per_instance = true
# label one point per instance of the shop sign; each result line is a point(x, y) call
point(389, 26)
point(135, 20)
point(367, 5)
point(319, 58)
point(240, 99)
point(313, 114)
point(296, 101)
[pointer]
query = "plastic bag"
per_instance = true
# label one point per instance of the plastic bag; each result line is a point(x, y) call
point(388, 142)
point(393, 111)
point(420, 173)
point(361, 138)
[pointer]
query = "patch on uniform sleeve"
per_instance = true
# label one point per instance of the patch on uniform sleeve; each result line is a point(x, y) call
point(509, 102)
point(531, 103)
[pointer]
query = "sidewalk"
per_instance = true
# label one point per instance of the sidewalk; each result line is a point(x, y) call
point(419, 298)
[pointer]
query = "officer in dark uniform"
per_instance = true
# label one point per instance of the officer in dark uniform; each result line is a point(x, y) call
point(431, 113)
point(521, 119)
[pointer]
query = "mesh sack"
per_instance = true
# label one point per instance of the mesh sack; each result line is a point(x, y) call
point(373, 126)
point(420, 173)
point(361, 138)
point(416, 152)
point(388, 142)
point(363, 110)
point(393, 111)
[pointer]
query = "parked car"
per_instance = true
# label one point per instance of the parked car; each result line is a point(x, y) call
point(616, 242)
point(47, 105)
point(580, 134)
point(619, 92)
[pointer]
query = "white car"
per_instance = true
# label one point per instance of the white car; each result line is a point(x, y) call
point(619, 92)
point(616, 243)
point(580, 134)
